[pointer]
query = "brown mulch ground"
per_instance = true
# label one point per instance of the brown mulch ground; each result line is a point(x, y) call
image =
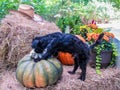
point(108, 80)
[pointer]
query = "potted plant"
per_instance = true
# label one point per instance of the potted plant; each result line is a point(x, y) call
point(104, 54)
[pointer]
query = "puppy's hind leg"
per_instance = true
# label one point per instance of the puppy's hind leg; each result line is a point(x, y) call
point(76, 65)
point(83, 64)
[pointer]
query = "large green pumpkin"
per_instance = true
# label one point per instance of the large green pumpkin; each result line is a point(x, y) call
point(38, 74)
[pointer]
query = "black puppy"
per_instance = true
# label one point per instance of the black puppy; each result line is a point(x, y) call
point(49, 45)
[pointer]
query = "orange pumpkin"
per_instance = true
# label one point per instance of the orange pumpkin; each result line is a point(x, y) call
point(81, 38)
point(67, 58)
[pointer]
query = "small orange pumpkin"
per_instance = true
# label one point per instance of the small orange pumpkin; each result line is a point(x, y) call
point(81, 38)
point(67, 58)
point(93, 26)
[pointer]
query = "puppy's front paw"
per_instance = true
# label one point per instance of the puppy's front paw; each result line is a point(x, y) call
point(71, 72)
point(36, 60)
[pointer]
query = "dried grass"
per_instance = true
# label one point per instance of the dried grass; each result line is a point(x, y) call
point(16, 33)
point(109, 80)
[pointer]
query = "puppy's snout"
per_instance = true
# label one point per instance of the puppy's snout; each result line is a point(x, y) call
point(32, 53)
point(35, 55)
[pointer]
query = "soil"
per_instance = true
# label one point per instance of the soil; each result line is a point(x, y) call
point(108, 80)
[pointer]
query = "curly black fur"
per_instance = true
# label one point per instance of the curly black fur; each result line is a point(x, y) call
point(49, 45)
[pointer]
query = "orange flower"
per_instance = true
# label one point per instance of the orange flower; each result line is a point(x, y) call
point(105, 37)
point(112, 35)
point(109, 34)
point(81, 38)
point(89, 36)
point(95, 36)
point(93, 26)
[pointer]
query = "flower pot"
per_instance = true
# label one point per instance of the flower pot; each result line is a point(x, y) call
point(106, 58)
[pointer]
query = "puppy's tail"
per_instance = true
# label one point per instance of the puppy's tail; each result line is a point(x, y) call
point(98, 41)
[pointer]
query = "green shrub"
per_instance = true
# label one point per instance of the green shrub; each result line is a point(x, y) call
point(6, 5)
point(72, 22)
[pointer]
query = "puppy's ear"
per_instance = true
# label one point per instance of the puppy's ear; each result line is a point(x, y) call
point(35, 43)
point(37, 38)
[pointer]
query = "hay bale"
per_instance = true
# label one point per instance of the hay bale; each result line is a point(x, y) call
point(16, 33)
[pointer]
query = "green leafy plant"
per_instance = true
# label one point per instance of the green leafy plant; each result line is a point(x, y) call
point(114, 54)
point(85, 9)
point(108, 46)
point(70, 22)
point(6, 5)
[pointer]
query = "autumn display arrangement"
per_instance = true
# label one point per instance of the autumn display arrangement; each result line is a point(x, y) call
point(19, 71)
point(33, 74)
